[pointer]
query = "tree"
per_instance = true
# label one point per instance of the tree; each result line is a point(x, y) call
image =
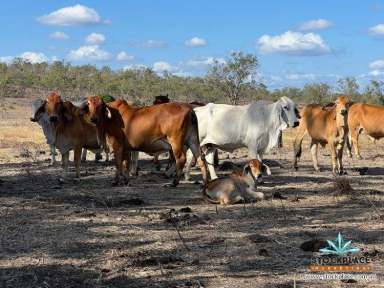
point(317, 93)
point(233, 74)
point(349, 87)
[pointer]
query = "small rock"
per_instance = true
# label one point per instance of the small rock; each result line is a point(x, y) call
point(313, 245)
point(277, 195)
point(185, 210)
point(263, 252)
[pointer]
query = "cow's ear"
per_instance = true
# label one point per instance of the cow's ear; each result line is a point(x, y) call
point(83, 108)
point(265, 169)
point(246, 169)
point(108, 112)
point(329, 106)
point(39, 111)
point(349, 104)
point(66, 112)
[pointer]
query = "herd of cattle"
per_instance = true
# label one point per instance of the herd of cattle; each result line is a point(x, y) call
point(192, 133)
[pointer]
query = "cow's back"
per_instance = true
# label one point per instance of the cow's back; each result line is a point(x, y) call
point(319, 122)
point(369, 117)
point(221, 124)
point(144, 125)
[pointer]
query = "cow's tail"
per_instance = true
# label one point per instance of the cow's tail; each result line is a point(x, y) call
point(194, 145)
point(297, 149)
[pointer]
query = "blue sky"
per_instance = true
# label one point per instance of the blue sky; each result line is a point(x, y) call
point(296, 41)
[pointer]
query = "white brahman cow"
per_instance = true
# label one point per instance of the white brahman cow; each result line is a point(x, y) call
point(256, 126)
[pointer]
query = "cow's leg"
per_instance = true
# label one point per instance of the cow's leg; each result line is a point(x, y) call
point(297, 144)
point(355, 142)
point(156, 161)
point(180, 158)
point(77, 159)
point(64, 161)
point(349, 144)
point(134, 155)
point(187, 173)
point(53, 154)
point(196, 151)
point(118, 153)
point(332, 147)
point(84, 155)
point(126, 169)
point(98, 156)
point(210, 158)
point(339, 155)
point(313, 148)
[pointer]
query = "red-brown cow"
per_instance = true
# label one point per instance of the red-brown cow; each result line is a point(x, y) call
point(152, 129)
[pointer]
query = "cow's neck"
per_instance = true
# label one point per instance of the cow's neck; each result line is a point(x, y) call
point(275, 126)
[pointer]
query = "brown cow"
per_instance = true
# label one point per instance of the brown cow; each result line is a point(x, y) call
point(325, 125)
point(164, 127)
point(161, 99)
point(364, 117)
point(71, 131)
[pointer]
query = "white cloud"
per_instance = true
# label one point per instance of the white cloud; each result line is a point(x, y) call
point(6, 59)
point(207, 61)
point(135, 67)
point(162, 66)
point(148, 44)
point(315, 25)
point(91, 52)
point(376, 73)
point(58, 35)
point(72, 16)
point(124, 56)
point(195, 42)
point(296, 76)
point(34, 57)
point(95, 39)
point(293, 43)
point(377, 64)
point(377, 30)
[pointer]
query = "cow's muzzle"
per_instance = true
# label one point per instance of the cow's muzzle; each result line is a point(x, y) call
point(94, 120)
point(343, 112)
point(33, 119)
point(53, 119)
point(295, 124)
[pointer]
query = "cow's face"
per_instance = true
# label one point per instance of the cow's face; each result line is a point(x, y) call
point(342, 105)
point(96, 110)
point(289, 112)
point(54, 107)
point(256, 169)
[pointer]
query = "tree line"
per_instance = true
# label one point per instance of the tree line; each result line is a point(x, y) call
point(231, 81)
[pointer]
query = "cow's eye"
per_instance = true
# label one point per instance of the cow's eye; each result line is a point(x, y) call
point(286, 107)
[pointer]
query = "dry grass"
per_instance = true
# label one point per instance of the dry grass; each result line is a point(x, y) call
point(90, 234)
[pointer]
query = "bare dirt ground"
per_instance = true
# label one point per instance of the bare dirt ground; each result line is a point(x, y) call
point(90, 234)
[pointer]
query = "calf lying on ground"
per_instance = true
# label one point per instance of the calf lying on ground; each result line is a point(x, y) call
point(237, 187)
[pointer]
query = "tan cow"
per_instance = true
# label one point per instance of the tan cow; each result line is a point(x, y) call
point(237, 187)
point(325, 125)
point(71, 131)
point(365, 118)
point(152, 129)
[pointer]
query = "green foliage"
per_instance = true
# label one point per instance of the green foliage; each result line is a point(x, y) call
point(229, 82)
point(233, 75)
